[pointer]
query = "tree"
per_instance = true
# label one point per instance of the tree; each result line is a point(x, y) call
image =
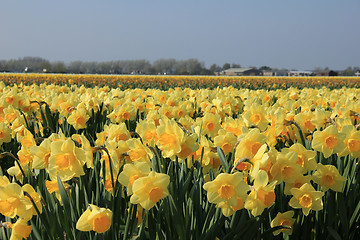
point(180, 68)
point(117, 67)
point(348, 72)
point(2, 66)
point(333, 73)
point(191, 66)
point(45, 66)
point(265, 68)
point(206, 71)
point(58, 67)
point(164, 66)
point(36, 64)
point(318, 70)
point(214, 68)
point(74, 67)
point(194, 67)
point(234, 65)
point(226, 66)
point(142, 66)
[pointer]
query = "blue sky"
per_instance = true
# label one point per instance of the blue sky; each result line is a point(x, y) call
point(278, 33)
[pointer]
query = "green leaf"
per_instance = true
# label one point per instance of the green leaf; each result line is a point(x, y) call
point(209, 217)
point(45, 124)
point(51, 120)
point(343, 214)
point(355, 215)
point(223, 161)
point(66, 208)
point(333, 233)
point(130, 221)
point(35, 231)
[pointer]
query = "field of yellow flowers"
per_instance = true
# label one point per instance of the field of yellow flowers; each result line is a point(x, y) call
point(130, 157)
point(164, 82)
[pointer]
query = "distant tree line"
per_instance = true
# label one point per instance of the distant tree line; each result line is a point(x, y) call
point(170, 66)
point(162, 66)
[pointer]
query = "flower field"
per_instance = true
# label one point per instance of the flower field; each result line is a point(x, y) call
point(164, 82)
point(172, 157)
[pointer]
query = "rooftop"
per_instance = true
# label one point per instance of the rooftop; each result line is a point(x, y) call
point(238, 69)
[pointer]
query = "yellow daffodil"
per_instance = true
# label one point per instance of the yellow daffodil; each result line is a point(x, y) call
point(16, 172)
point(117, 132)
point(228, 192)
point(66, 160)
point(210, 124)
point(206, 154)
point(155, 116)
point(147, 191)
point(138, 152)
point(166, 110)
point(328, 177)
point(147, 131)
point(285, 168)
point(189, 146)
point(187, 122)
point(249, 144)
point(283, 219)
point(233, 125)
point(41, 154)
point(320, 118)
point(299, 181)
point(131, 172)
point(29, 190)
point(225, 140)
point(86, 147)
point(18, 128)
point(78, 118)
point(305, 158)
point(67, 105)
point(53, 187)
point(306, 198)
point(11, 114)
point(101, 137)
point(26, 139)
point(25, 157)
point(262, 195)
point(255, 116)
point(352, 141)
point(12, 201)
point(328, 141)
point(20, 230)
point(122, 113)
point(4, 181)
point(5, 133)
point(179, 111)
point(304, 120)
point(259, 161)
point(94, 219)
point(170, 137)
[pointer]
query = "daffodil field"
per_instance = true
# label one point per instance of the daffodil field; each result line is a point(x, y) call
point(173, 157)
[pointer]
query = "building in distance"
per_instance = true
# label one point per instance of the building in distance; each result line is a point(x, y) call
point(241, 72)
point(300, 73)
